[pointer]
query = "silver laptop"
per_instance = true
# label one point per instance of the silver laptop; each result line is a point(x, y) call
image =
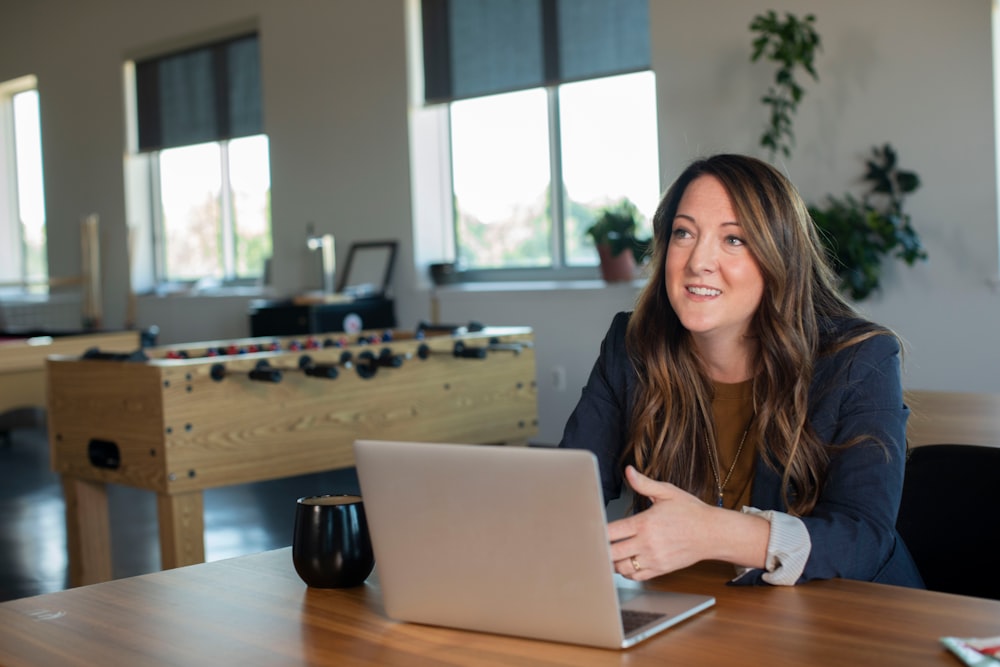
point(507, 540)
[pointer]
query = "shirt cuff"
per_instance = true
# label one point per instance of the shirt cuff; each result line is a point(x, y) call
point(788, 547)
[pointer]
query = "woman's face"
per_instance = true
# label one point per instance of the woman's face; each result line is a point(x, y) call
point(712, 281)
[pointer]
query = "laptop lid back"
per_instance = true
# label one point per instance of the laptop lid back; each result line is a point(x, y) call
point(507, 540)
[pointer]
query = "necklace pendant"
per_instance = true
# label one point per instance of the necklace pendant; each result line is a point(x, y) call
point(718, 501)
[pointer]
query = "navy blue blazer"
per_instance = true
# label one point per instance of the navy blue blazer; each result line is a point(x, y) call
point(857, 391)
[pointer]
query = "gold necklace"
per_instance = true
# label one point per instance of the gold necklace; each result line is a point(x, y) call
point(720, 487)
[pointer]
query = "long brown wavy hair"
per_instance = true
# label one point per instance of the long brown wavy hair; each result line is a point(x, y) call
point(672, 424)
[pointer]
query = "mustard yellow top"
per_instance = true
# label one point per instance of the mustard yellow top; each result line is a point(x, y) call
point(733, 411)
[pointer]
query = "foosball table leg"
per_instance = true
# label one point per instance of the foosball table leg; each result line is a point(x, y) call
point(88, 531)
point(182, 528)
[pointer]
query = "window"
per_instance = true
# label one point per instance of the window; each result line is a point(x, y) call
point(517, 206)
point(23, 262)
point(200, 149)
point(551, 115)
point(215, 211)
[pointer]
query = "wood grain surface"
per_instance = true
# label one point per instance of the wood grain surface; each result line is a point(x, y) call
point(254, 610)
point(953, 418)
point(179, 429)
point(22, 362)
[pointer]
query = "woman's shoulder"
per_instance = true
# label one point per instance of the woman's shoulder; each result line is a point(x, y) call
point(844, 341)
point(862, 364)
point(614, 344)
point(837, 331)
point(616, 332)
point(621, 319)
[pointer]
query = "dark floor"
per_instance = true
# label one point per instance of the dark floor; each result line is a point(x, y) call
point(239, 520)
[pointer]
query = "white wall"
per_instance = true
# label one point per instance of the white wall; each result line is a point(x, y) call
point(915, 73)
point(335, 111)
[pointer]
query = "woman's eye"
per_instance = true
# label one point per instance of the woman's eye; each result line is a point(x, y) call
point(734, 241)
point(680, 233)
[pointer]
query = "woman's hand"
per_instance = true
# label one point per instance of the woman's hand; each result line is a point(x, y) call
point(679, 530)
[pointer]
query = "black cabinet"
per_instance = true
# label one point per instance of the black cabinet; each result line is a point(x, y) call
point(285, 318)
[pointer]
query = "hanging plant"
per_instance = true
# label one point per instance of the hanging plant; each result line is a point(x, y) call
point(791, 44)
point(859, 234)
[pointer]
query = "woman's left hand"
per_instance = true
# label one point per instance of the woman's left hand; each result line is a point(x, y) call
point(668, 536)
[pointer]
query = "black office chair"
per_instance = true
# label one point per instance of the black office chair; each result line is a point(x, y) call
point(950, 517)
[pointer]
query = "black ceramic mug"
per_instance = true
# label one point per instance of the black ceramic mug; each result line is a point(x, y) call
point(331, 547)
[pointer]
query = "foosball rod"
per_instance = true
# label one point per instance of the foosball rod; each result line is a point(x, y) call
point(366, 364)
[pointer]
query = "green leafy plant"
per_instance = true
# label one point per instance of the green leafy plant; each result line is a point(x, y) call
point(792, 43)
point(857, 233)
point(615, 226)
point(860, 233)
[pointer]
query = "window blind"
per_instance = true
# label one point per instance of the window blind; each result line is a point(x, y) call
point(208, 93)
point(483, 47)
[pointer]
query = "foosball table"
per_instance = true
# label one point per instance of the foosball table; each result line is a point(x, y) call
point(177, 420)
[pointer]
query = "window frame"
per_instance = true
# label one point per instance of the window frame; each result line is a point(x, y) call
point(144, 202)
point(433, 218)
point(560, 269)
point(227, 233)
point(19, 283)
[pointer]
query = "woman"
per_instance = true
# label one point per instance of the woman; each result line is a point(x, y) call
point(743, 381)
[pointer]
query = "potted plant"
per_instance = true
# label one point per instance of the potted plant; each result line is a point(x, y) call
point(859, 233)
point(614, 235)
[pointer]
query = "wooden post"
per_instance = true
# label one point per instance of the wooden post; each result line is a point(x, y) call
point(88, 531)
point(90, 248)
point(182, 528)
point(130, 304)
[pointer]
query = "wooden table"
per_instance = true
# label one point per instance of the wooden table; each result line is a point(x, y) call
point(953, 418)
point(254, 610)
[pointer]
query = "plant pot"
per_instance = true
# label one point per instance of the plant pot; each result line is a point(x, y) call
point(616, 268)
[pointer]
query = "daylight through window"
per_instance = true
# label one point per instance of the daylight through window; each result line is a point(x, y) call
point(215, 208)
point(23, 261)
point(531, 169)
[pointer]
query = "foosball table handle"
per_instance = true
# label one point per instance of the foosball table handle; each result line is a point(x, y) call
point(312, 369)
point(262, 373)
point(463, 351)
point(326, 371)
point(366, 365)
point(265, 375)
